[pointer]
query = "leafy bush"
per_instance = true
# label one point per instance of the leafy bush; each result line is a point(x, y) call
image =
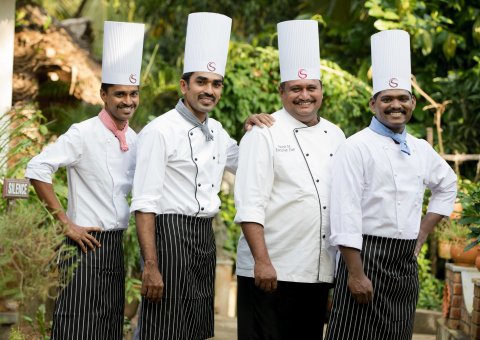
point(431, 288)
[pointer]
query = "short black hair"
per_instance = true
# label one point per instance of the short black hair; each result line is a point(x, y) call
point(105, 86)
point(375, 96)
point(187, 76)
point(282, 85)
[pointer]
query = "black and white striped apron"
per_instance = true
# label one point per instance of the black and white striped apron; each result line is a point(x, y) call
point(391, 266)
point(91, 305)
point(186, 260)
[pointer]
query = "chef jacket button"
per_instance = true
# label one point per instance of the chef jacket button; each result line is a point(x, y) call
point(325, 131)
point(211, 131)
point(307, 154)
point(191, 133)
point(199, 184)
point(324, 207)
point(323, 236)
point(202, 209)
point(195, 159)
point(317, 180)
point(213, 157)
point(296, 131)
point(212, 185)
point(331, 154)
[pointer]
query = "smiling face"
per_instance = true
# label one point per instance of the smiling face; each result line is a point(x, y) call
point(201, 92)
point(121, 101)
point(302, 99)
point(393, 108)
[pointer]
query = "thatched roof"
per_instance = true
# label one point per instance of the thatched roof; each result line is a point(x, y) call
point(45, 50)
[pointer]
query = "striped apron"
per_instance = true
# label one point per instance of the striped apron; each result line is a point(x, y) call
point(392, 268)
point(91, 305)
point(186, 260)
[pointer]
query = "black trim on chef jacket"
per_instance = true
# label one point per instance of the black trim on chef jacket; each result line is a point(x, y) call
point(295, 131)
point(196, 167)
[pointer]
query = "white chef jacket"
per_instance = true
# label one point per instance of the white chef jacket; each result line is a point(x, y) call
point(378, 190)
point(178, 171)
point(283, 183)
point(100, 175)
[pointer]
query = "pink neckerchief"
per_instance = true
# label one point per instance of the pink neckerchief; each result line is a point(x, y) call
point(110, 124)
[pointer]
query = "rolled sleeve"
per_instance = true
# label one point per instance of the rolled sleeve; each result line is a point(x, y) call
point(66, 151)
point(442, 182)
point(150, 172)
point(254, 178)
point(346, 199)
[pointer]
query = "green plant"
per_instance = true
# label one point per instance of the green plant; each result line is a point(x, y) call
point(431, 288)
point(227, 214)
point(451, 230)
point(31, 244)
point(471, 214)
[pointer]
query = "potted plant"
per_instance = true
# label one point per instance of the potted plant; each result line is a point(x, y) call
point(471, 218)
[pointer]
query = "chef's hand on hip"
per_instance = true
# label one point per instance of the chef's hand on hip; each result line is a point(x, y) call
point(81, 235)
point(361, 288)
point(152, 282)
point(265, 276)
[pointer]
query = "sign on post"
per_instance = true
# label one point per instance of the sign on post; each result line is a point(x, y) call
point(15, 188)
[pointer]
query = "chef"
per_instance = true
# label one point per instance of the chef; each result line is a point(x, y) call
point(99, 154)
point(181, 159)
point(282, 190)
point(379, 180)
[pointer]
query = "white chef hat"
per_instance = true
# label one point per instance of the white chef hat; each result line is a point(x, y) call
point(206, 45)
point(298, 46)
point(122, 52)
point(391, 68)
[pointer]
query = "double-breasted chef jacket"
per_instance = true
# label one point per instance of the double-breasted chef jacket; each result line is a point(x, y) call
point(285, 186)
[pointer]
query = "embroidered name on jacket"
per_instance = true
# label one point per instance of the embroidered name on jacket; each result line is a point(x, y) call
point(284, 148)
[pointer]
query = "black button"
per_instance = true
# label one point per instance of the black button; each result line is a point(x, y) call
point(211, 131)
point(325, 131)
point(220, 207)
point(306, 154)
point(199, 185)
point(318, 180)
point(323, 236)
point(212, 185)
point(203, 209)
point(324, 207)
point(213, 157)
point(331, 154)
point(296, 131)
point(195, 159)
point(191, 133)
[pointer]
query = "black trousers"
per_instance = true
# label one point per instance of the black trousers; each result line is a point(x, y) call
point(91, 305)
point(294, 311)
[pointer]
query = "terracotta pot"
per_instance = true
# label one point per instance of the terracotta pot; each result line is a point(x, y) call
point(457, 211)
point(463, 258)
point(477, 260)
point(444, 249)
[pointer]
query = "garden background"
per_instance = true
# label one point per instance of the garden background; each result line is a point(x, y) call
point(50, 94)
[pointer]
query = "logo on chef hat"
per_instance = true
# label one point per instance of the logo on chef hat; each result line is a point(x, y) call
point(393, 83)
point(133, 78)
point(302, 73)
point(211, 66)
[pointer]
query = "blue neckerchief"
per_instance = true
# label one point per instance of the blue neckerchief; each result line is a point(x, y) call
point(399, 138)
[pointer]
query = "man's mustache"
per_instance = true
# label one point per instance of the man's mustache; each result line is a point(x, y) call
point(395, 110)
point(206, 95)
